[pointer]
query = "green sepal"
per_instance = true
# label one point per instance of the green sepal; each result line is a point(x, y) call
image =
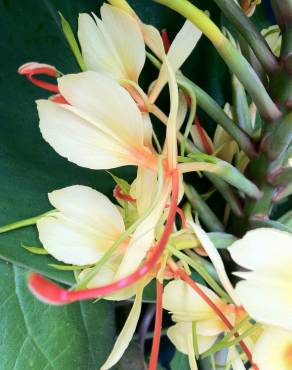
point(35, 250)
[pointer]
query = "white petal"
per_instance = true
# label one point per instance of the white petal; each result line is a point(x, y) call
point(273, 350)
point(153, 40)
point(234, 358)
point(216, 259)
point(79, 140)
point(146, 187)
point(180, 298)
point(69, 242)
point(179, 51)
point(89, 208)
point(127, 39)
point(143, 238)
point(179, 334)
point(107, 104)
point(98, 55)
point(126, 334)
point(182, 109)
point(148, 131)
point(267, 299)
point(264, 249)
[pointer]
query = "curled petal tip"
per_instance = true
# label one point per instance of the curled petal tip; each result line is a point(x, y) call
point(46, 291)
point(37, 68)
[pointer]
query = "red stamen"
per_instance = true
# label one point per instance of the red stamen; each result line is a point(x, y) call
point(157, 329)
point(182, 216)
point(34, 68)
point(120, 195)
point(52, 293)
point(58, 99)
point(203, 137)
point(217, 310)
point(165, 39)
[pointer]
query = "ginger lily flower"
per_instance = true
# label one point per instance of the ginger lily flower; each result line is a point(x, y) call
point(188, 309)
point(265, 291)
point(102, 127)
point(103, 44)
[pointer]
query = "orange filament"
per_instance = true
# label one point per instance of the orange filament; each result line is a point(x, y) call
point(120, 195)
point(157, 329)
point(215, 308)
point(165, 40)
point(31, 69)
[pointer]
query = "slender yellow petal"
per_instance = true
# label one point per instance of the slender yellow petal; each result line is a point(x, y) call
point(273, 350)
point(216, 259)
point(127, 332)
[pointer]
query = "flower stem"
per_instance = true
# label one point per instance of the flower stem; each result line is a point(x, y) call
point(157, 328)
point(250, 33)
point(232, 57)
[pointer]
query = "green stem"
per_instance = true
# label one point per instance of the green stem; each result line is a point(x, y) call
point(250, 33)
point(283, 11)
point(232, 57)
point(205, 213)
point(213, 109)
point(23, 223)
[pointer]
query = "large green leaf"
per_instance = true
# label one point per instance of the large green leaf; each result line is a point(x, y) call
point(36, 336)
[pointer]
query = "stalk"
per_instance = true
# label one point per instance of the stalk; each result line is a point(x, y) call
point(283, 11)
point(235, 61)
point(204, 211)
point(250, 33)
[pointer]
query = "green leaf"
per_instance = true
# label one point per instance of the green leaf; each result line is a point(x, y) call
point(38, 336)
point(180, 361)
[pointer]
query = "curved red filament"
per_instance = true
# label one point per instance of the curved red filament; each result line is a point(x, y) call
point(120, 195)
point(217, 310)
point(52, 293)
point(165, 40)
point(33, 68)
point(182, 216)
point(157, 329)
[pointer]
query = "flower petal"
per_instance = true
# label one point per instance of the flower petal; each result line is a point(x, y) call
point(120, 27)
point(127, 332)
point(264, 249)
point(179, 334)
point(143, 238)
point(89, 208)
point(106, 103)
point(267, 298)
point(181, 300)
point(216, 259)
point(273, 350)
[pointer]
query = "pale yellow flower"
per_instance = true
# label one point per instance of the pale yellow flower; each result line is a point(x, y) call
point(266, 289)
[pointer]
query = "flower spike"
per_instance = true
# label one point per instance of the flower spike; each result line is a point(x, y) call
point(51, 293)
point(33, 68)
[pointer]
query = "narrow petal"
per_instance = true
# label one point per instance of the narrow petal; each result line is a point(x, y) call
point(273, 350)
point(216, 259)
point(153, 40)
point(180, 49)
point(148, 131)
point(89, 208)
point(122, 26)
point(143, 238)
point(267, 298)
point(264, 249)
point(146, 187)
point(127, 332)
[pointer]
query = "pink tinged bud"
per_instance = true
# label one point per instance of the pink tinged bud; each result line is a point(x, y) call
point(49, 292)
point(165, 40)
point(33, 68)
point(120, 195)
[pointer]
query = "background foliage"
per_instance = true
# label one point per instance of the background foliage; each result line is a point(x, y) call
point(78, 336)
